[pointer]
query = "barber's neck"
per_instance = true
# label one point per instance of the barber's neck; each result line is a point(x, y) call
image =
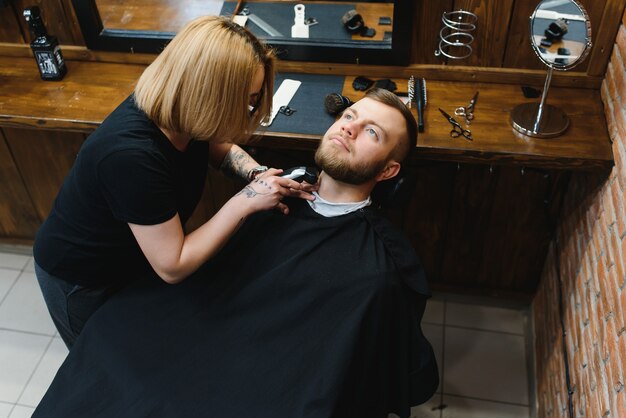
point(339, 192)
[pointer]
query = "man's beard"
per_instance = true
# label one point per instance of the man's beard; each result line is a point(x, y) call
point(340, 169)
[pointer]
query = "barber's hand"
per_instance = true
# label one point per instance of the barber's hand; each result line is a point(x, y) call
point(310, 188)
point(268, 190)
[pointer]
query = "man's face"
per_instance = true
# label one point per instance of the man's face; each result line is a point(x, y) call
point(356, 148)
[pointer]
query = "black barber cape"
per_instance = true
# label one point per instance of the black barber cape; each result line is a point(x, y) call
point(298, 316)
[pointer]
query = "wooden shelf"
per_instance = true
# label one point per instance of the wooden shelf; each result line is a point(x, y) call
point(91, 90)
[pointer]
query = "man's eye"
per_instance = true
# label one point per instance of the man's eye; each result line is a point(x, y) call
point(372, 132)
point(347, 116)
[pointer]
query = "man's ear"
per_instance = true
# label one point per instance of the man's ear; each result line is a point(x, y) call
point(392, 168)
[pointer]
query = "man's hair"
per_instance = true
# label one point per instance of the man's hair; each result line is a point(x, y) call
point(200, 84)
point(408, 141)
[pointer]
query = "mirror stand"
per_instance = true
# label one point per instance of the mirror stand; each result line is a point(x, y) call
point(560, 35)
point(540, 119)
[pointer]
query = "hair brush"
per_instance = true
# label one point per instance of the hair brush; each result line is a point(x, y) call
point(335, 103)
point(422, 99)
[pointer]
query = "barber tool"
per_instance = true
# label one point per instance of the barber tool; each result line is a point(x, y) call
point(455, 36)
point(422, 100)
point(335, 103)
point(467, 111)
point(457, 129)
point(352, 21)
point(411, 88)
point(286, 110)
point(556, 30)
point(387, 84)
point(361, 83)
point(530, 92)
point(299, 28)
point(262, 24)
point(368, 32)
point(283, 95)
point(300, 174)
point(240, 20)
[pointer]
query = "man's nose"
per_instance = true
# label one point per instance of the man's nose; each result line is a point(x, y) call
point(349, 129)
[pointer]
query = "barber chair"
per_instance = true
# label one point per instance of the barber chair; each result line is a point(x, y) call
point(395, 193)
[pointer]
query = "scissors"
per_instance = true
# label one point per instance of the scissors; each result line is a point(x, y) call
point(467, 112)
point(457, 130)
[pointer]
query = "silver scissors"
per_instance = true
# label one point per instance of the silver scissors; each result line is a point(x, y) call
point(467, 111)
point(457, 129)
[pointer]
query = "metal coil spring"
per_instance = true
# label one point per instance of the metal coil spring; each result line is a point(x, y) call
point(456, 34)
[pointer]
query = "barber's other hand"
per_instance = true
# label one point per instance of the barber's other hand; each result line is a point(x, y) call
point(267, 190)
point(309, 188)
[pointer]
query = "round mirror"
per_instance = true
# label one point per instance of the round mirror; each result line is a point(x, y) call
point(561, 33)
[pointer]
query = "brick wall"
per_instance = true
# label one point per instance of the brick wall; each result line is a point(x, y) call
point(589, 256)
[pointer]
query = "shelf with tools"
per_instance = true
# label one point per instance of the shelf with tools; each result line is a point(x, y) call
point(585, 145)
point(91, 90)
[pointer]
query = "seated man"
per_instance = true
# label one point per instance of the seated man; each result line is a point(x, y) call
point(312, 314)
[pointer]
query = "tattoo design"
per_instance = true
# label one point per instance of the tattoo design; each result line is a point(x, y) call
point(263, 183)
point(250, 192)
point(234, 164)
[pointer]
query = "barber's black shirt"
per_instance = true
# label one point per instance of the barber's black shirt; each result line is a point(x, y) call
point(127, 171)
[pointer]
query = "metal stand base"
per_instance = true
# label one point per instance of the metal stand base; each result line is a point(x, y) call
point(553, 120)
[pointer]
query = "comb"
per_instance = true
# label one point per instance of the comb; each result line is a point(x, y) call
point(422, 100)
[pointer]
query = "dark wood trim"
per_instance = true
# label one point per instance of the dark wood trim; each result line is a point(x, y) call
point(605, 38)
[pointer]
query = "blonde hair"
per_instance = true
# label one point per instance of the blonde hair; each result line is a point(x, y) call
point(200, 84)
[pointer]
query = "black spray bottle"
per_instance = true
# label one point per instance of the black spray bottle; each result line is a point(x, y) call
point(45, 48)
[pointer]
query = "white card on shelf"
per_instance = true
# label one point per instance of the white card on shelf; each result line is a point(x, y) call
point(282, 97)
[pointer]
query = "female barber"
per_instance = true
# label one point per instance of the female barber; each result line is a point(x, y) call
point(138, 177)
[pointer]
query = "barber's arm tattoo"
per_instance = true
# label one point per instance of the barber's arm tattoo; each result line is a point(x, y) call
point(237, 163)
point(250, 192)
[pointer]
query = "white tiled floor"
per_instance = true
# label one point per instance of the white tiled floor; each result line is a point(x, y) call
point(480, 351)
point(482, 361)
point(30, 350)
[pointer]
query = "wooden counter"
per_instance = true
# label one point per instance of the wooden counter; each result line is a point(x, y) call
point(91, 90)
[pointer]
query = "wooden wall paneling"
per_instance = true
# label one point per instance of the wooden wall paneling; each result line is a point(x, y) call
point(469, 218)
point(72, 22)
point(18, 217)
point(426, 27)
point(490, 36)
point(596, 10)
point(603, 32)
point(54, 16)
point(9, 28)
point(427, 215)
point(44, 159)
point(519, 52)
point(518, 236)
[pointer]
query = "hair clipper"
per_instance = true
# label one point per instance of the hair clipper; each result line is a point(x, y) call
point(300, 174)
